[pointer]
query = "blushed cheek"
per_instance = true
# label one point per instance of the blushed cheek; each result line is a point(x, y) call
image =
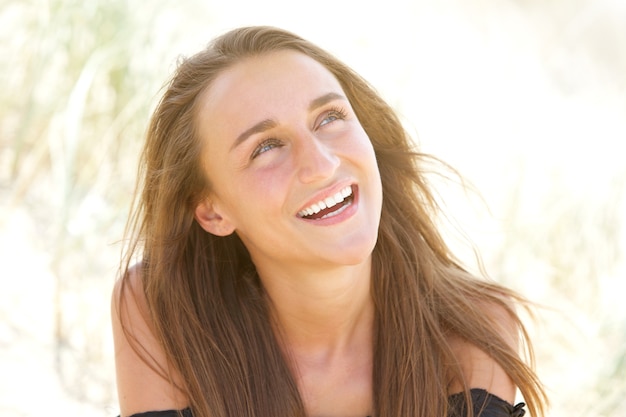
point(267, 189)
point(365, 153)
point(264, 179)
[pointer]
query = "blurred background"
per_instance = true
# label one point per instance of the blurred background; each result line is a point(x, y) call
point(526, 98)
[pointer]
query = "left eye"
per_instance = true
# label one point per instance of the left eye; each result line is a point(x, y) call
point(332, 116)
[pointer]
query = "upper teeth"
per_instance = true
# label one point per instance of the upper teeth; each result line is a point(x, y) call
point(327, 202)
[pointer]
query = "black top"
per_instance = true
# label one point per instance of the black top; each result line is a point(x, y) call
point(484, 404)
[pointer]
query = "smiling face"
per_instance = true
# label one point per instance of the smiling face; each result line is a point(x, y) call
point(290, 168)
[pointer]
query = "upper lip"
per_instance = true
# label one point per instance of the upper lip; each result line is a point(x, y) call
point(324, 195)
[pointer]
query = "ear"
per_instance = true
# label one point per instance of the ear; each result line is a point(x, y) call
point(211, 220)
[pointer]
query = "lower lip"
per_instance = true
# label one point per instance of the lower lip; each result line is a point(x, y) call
point(346, 213)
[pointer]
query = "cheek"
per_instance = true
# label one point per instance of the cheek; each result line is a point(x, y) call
point(262, 190)
point(247, 194)
point(362, 150)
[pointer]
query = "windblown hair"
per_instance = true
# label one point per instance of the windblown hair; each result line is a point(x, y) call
point(209, 309)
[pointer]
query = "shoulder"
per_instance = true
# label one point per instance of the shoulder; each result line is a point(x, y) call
point(479, 369)
point(145, 381)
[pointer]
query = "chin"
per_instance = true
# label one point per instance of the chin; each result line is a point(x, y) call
point(358, 253)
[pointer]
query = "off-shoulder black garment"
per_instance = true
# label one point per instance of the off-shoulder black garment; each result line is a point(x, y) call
point(484, 404)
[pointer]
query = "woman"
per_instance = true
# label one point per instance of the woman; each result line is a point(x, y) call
point(289, 259)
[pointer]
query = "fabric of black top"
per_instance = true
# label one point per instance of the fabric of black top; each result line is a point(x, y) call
point(483, 403)
point(168, 413)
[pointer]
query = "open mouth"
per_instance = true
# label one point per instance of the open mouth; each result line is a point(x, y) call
point(329, 207)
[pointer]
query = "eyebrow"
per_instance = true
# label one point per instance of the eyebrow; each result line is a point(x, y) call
point(326, 98)
point(268, 124)
point(260, 127)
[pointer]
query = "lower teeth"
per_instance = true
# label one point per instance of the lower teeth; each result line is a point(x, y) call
point(334, 213)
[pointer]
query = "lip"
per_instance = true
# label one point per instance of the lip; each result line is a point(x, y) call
point(347, 212)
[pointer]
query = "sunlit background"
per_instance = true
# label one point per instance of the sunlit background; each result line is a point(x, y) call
point(526, 98)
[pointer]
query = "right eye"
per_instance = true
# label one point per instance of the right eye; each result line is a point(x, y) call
point(265, 146)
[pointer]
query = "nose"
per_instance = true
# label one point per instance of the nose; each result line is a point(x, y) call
point(317, 160)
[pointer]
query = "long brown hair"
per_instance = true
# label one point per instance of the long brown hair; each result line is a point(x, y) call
point(205, 299)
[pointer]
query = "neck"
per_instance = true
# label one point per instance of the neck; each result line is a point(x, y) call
point(324, 321)
point(322, 314)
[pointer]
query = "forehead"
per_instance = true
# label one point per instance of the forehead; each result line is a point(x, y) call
point(264, 86)
point(270, 71)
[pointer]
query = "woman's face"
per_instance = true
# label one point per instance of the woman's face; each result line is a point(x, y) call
point(292, 171)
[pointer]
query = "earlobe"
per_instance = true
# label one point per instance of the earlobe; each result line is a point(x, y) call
point(211, 220)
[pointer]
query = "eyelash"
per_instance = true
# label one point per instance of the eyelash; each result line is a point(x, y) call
point(266, 145)
point(338, 112)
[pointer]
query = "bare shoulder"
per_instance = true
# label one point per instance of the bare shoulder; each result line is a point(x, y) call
point(481, 370)
point(143, 374)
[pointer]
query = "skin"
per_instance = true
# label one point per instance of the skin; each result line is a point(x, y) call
point(140, 387)
point(313, 149)
point(315, 271)
point(278, 136)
